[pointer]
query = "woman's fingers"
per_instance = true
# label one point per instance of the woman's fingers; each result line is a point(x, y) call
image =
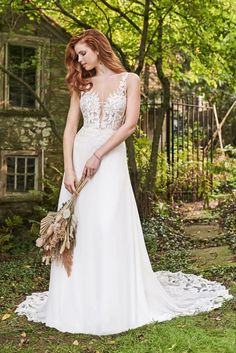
point(84, 174)
point(67, 186)
point(88, 172)
point(92, 171)
point(71, 187)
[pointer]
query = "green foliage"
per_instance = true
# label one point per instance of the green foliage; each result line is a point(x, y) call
point(167, 231)
point(142, 149)
point(142, 146)
point(177, 260)
point(224, 170)
point(50, 194)
point(228, 220)
point(29, 269)
point(224, 274)
point(8, 231)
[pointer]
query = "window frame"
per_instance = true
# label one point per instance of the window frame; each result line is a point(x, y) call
point(41, 45)
point(39, 171)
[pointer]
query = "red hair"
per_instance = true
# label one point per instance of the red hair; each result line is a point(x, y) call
point(77, 77)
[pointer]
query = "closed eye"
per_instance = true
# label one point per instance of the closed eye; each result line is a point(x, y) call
point(80, 53)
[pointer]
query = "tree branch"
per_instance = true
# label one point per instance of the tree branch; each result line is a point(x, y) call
point(122, 14)
point(72, 17)
point(135, 13)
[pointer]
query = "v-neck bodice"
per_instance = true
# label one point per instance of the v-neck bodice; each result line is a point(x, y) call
point(108, 113)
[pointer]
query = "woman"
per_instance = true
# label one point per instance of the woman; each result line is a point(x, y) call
point(112, 287)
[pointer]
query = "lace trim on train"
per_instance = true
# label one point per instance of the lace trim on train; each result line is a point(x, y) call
point(32, 305)
point(174, 283)
point(212, 294)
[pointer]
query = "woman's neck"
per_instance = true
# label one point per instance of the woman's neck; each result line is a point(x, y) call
point(103, 71)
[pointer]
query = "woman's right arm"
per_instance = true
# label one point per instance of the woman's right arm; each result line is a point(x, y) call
point(68, 141)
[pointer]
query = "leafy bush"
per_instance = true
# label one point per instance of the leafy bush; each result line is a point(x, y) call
point(16, 235)
point(228, 220)
point(50, 195)
point(224, 170)
point(167, 231)
point(166, 242)
point(8, 233)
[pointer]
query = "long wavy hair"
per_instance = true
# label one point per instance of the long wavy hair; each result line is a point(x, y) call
point(77, 78)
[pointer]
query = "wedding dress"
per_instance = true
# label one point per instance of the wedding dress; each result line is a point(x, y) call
point(112, 287)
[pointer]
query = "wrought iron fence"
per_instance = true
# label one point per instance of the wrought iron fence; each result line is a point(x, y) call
point(185, 155)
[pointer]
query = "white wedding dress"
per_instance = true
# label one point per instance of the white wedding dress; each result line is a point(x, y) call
point(112, 287)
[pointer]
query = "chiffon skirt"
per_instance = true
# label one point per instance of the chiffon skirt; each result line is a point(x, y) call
point(112, 287)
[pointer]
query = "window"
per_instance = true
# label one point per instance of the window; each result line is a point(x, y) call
point(22, 62)
point(28, 57)
point(21, 173)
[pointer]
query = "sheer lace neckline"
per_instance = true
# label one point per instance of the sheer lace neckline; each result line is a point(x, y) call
point(105, 111)
point(102, 100)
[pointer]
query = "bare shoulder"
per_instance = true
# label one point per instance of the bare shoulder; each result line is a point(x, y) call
point(133, 78)
point(133, 81)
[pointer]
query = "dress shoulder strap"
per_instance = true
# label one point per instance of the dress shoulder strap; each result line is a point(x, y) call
point(124, 76)
point(123, 82)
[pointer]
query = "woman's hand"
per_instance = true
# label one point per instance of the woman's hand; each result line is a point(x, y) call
point(70, 181)
point(91, 166)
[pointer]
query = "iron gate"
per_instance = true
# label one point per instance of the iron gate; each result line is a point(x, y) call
point(185, 147)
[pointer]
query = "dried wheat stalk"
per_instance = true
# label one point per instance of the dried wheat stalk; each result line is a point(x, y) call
point(57, 232)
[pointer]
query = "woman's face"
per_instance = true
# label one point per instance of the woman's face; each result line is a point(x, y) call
point(86, 56)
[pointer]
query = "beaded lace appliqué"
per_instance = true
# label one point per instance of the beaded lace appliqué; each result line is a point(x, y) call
point(108, 114)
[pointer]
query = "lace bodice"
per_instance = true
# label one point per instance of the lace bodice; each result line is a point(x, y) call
point(108, 113)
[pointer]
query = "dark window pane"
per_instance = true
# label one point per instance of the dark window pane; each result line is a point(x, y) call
point(14, 93)
point(30, 182)
point(22, 63)
point(10, 164)
point(20, 165)
point(20, 183)
point(15, 58)
point(31, 165)
point(10, 182)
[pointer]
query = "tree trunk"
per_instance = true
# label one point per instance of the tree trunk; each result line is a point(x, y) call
point(149, 187)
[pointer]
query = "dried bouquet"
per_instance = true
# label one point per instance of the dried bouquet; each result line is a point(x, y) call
point(57, 232)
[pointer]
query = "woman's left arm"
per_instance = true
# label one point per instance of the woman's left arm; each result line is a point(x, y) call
point(127, 129)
